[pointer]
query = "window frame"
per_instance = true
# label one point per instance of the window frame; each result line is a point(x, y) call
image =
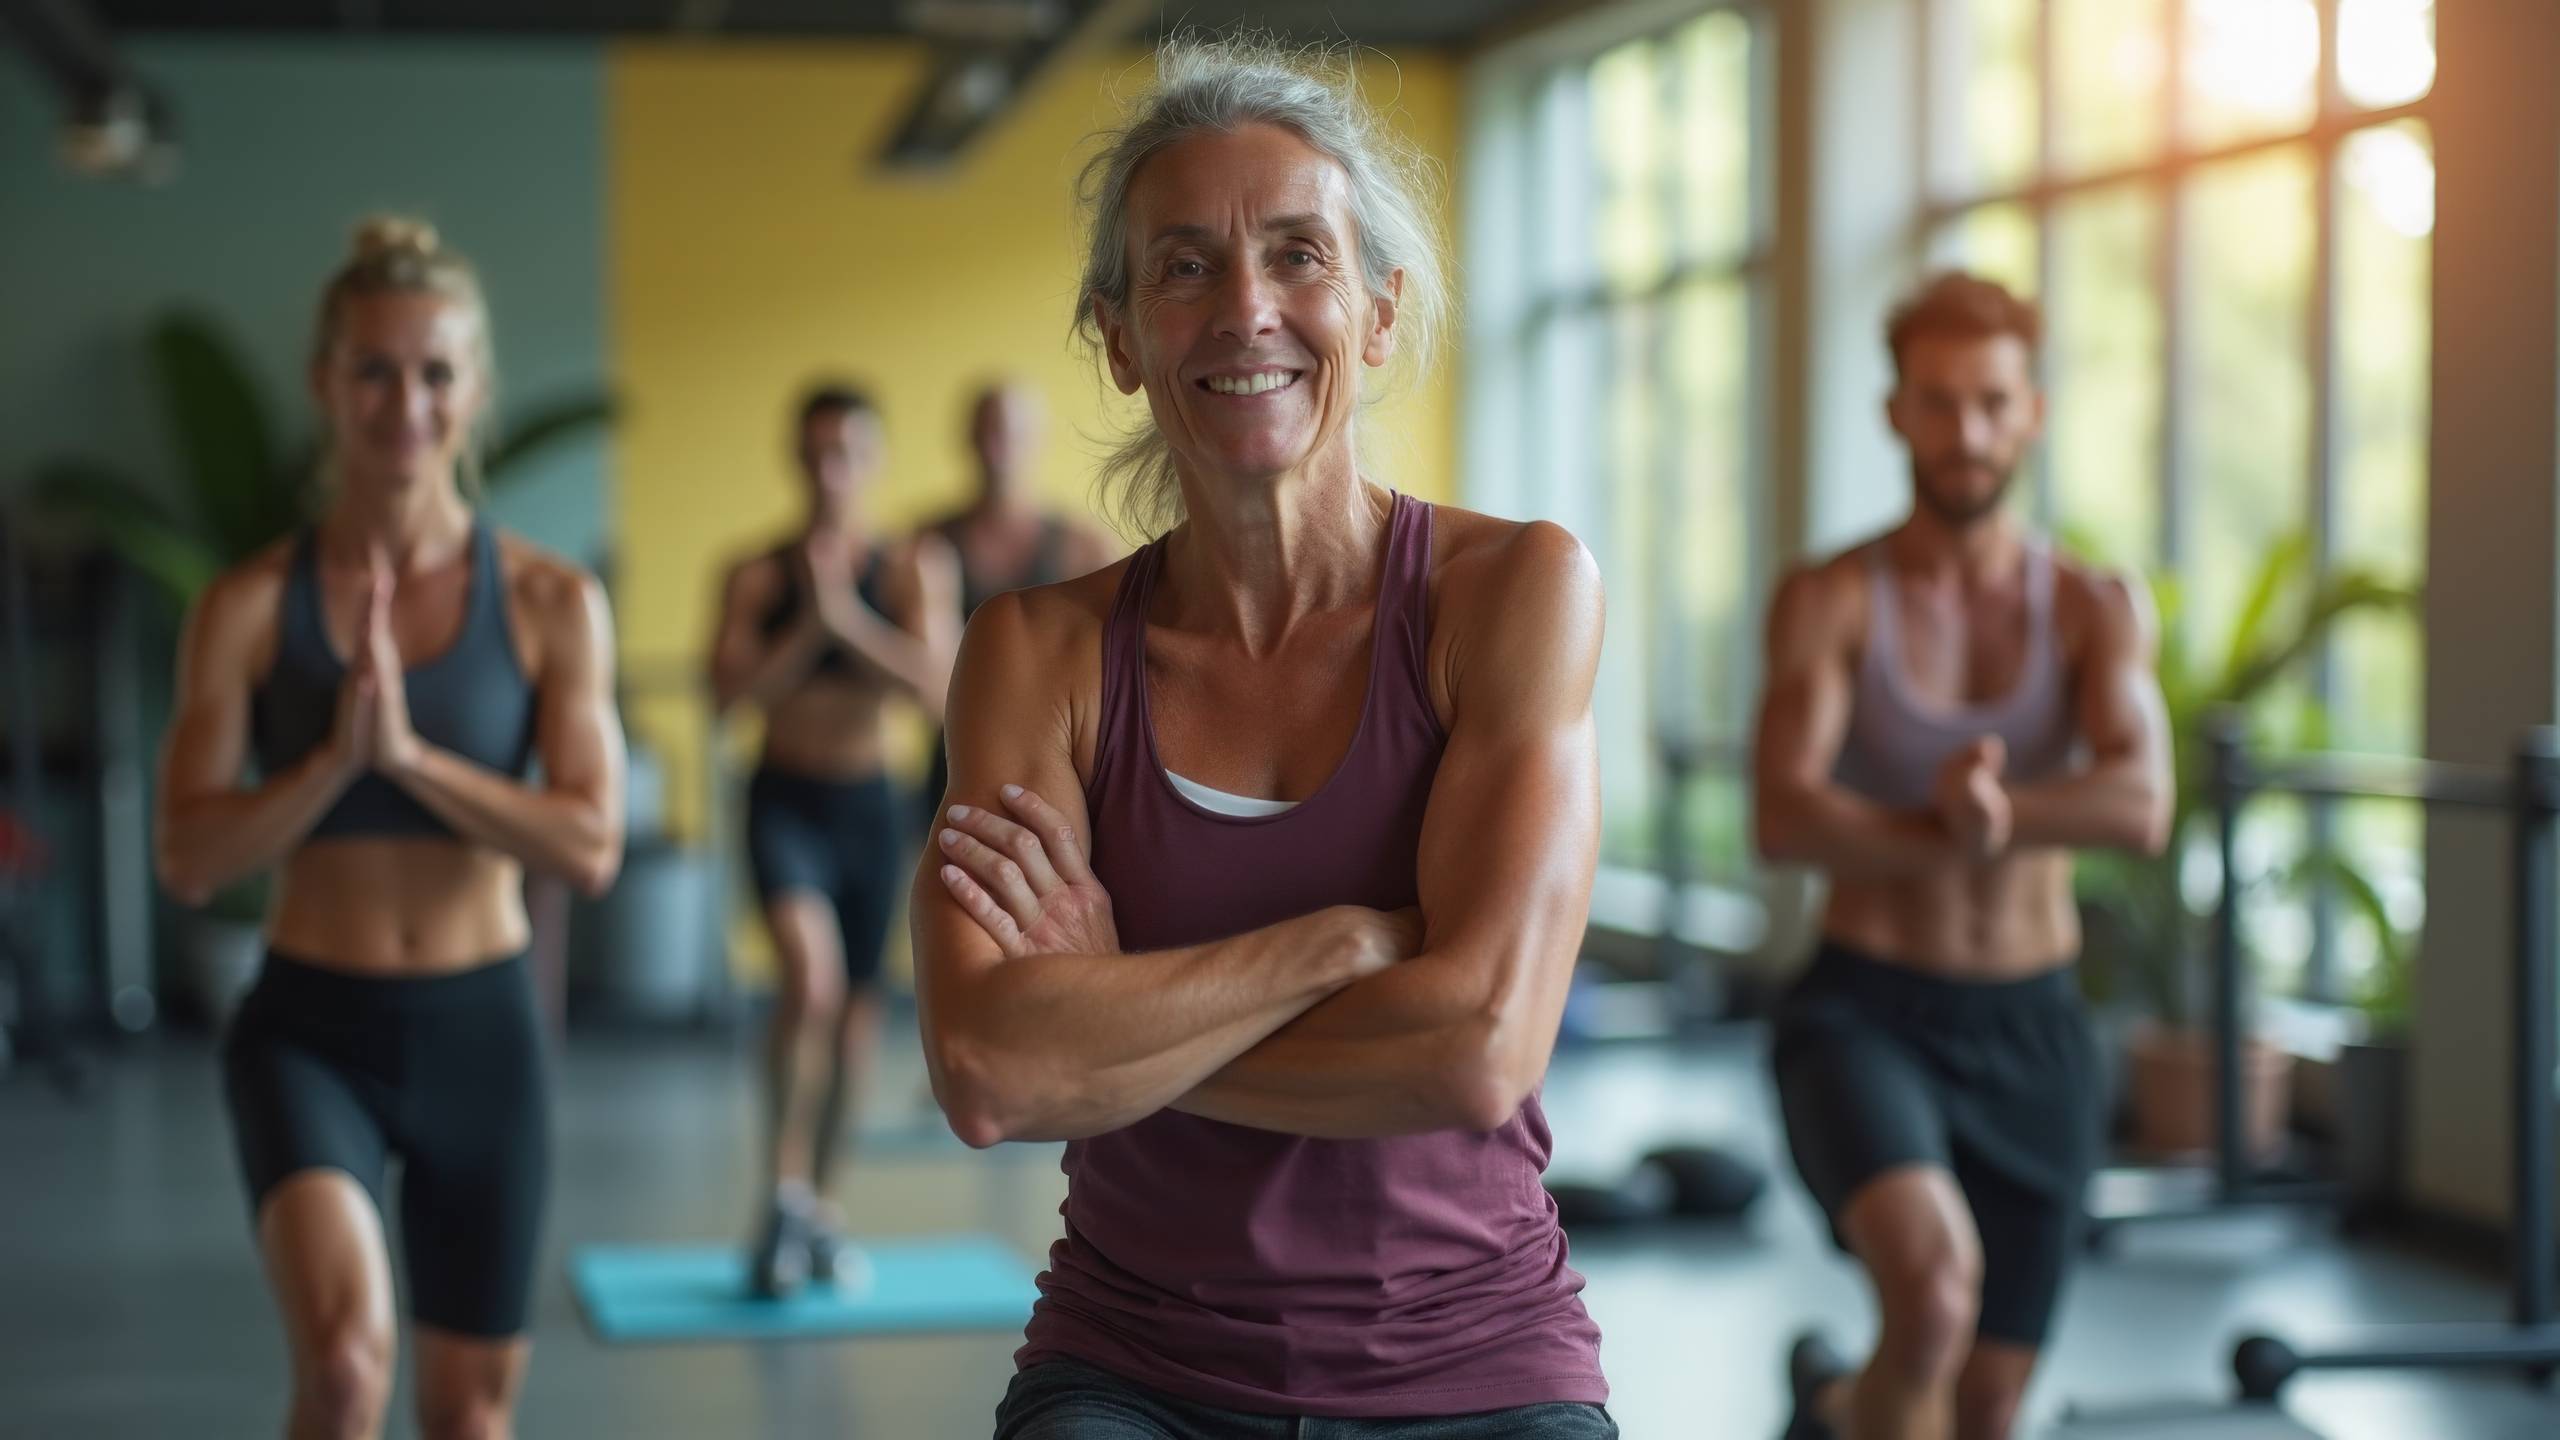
point(1522, 73)
point(2167, 175)
point(1522, 185)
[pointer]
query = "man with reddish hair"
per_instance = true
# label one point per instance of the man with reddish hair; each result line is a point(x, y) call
point(1952, 710)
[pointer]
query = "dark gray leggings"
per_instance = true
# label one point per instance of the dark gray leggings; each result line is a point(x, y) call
point(1065, 1400)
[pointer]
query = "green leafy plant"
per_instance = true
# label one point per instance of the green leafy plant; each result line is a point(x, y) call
point(2388, 993)
point(2158, 942)
point(239, 490)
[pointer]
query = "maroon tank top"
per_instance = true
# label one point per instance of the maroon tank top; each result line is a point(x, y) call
point(1256, 1271)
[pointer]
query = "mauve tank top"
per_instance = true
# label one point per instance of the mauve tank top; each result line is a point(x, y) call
point(1257, 1271)
point(1899, 740)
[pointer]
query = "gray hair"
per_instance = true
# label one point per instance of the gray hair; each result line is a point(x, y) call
point(1217, 86)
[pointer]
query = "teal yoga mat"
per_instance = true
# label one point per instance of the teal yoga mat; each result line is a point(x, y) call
point(921, 1284)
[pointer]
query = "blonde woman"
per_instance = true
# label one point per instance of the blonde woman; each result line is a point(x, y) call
point(395, 671)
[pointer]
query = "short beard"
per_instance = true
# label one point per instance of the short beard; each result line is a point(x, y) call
point(1963, 516)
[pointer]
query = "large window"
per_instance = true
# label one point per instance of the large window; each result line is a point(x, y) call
point(2225, 206)
point(1616, 262)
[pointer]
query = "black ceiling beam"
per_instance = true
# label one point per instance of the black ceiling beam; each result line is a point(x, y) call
point(1445, 24)
point(64, 40)
point(970, 85)
point(699, 17)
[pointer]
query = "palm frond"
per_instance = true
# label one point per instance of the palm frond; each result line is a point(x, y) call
point(544, 428)
point(2338, 596)
point(219, 424)
point(2283, 562)
point(142, 530)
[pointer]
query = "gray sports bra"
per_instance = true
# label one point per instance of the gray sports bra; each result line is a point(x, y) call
point(473, 699)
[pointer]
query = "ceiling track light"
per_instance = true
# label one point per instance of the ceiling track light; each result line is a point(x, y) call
point(974, 88)
point(115, 128)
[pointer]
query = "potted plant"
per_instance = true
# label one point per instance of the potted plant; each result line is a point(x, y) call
point(240, 492)
point(2150, 934)
point(2373, 1078)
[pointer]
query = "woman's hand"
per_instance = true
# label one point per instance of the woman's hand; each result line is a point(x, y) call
point(1384, 939)
point(394, 743)
point(1025, 880)
point(828, 573)
point(352, 734)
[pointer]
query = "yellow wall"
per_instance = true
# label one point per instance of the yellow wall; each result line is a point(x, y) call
point(753, 246)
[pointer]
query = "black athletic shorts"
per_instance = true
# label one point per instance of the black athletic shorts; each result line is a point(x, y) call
point(327, 1070)
point(1996, 1082)
point(845, 841)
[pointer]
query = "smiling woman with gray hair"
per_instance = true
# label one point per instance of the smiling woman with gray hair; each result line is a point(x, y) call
point(1273, 843)
point(1388, 187)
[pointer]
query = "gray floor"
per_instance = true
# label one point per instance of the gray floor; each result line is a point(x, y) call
point(130, 1303)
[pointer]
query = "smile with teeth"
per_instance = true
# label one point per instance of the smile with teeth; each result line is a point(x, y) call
point(1259, 383)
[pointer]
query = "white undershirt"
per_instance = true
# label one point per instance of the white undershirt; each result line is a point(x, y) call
point(1241, 807)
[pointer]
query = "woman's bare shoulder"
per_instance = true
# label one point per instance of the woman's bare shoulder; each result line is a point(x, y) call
point(1046, 619)
point(1486, 559)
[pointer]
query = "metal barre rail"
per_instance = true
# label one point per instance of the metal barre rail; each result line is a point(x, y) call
point(2428, 782)
point(2527, 782)
point(2528, 792)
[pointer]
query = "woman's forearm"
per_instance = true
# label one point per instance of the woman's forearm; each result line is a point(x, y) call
point(905, 659)
point(1057, 1047)
point(205, 842)
point(565, 833)
point(774, 672)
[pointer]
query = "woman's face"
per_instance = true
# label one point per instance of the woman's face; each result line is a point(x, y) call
point(840, 451)
point(1248, 322)
point(401, 386)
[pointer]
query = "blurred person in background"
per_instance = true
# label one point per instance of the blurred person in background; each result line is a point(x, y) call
point(1004, 538)
point(1952, 710)
point(820, 632)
